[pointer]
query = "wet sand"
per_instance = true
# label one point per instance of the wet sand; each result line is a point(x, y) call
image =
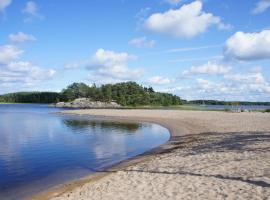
point(211, 155)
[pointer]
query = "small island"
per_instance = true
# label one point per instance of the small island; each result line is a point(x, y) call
point(109, 95)
point(122, 95)
point(135, 100)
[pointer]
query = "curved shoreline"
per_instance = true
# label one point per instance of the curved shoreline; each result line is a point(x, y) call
point(65, 187)
point(177, 126)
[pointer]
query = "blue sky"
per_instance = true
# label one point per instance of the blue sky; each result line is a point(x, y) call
point(208, 49)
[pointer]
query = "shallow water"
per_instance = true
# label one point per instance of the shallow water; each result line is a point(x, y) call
point(39, 149)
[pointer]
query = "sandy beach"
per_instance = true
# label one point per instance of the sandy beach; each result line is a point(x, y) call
point(211, 155)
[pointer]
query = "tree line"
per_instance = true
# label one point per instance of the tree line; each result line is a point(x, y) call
point(125, 94)
point(230, 103)
point(30, 97)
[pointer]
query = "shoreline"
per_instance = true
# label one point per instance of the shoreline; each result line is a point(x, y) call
point(179, 128)
point(70, 185)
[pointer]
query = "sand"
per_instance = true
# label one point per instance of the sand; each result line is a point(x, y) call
point(211, 155)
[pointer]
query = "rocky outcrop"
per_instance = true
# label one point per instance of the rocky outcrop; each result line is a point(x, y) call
point(83, 103)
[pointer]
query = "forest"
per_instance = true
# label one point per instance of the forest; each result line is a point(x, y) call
point(125, 94)
point(231, 103)
point(30, 97)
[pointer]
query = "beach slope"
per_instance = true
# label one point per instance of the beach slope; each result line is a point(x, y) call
point(211, 155)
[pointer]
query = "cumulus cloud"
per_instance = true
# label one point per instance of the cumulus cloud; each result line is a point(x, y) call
point(21, 37)
point(159, 80)
point(210, 68)
point(187, 21)
point(142, 42)
point(206, 85)
point(248, 46)
point(4, 4)
point(261, 7)
point(24, 72)
point(256, 78)
point(109, 66)
point(9, 53)
point(14, 71)
point(246, 86)
point(250, 82)
point(31, 10)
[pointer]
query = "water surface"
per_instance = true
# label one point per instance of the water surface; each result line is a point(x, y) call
point(39, 149)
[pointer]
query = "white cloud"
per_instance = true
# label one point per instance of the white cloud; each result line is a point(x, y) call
point(187, 21)
point(24, 72)
point(250, 82)
point(110, 66)
point(261, 6)
point(159, 80)
point(210, 68)
point(108, 58)
point(21, 37)
point(248, 46)
point(187, 49)
point(205, 84)
point(245, 86)
point(9, 53)
point(32, 11)
point(256, 78)
point(13, 72)
point(142, 42)
point(4, 4)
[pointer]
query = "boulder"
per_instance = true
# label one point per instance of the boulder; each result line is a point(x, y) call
point(84, 103)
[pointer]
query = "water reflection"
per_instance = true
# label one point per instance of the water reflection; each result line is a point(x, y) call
point(83, 124)
point(35, 145)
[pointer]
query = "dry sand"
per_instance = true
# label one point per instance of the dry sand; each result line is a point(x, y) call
point(211, 155)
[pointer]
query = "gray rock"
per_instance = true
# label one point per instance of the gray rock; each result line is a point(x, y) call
point(83, 103)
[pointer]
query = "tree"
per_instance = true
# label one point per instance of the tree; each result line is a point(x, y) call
point(126, 94)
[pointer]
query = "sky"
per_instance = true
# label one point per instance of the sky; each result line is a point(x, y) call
point(197, 49)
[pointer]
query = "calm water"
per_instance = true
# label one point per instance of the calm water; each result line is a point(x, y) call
point(39, 149)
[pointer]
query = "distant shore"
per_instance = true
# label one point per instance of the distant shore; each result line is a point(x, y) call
point(210, 155)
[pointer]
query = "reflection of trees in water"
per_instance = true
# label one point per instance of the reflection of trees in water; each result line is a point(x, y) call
point(103, 125)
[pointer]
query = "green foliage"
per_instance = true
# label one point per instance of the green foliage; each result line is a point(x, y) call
point(74, 91)
point(126, 94)
point(267, 110)
point(30, 97)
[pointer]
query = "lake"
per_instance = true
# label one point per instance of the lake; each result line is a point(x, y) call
point(40, 149)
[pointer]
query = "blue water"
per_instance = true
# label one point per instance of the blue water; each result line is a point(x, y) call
point(39, 149)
